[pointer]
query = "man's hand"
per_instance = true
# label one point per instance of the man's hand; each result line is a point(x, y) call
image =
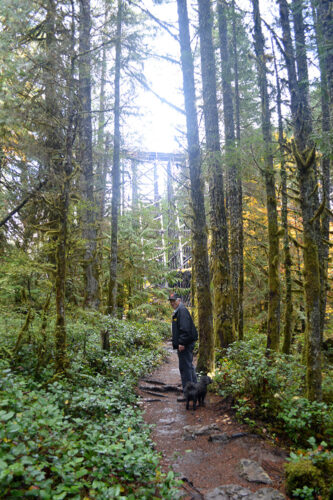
point(181, 348)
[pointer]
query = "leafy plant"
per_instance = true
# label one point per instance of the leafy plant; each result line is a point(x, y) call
point(83, 435)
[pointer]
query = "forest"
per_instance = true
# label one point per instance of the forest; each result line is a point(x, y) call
point(102, 216)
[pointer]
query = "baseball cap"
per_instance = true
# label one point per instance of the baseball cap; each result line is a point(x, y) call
point(174, 296)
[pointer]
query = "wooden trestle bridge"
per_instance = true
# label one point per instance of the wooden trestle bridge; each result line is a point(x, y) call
point(176, 255)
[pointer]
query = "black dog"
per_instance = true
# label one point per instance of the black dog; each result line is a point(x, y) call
point(196, 392)
point(191, 394)
point(201, 388)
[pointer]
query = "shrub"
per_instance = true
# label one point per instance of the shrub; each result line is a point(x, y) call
point(271, 388)
point(309, 473)
point(303, 474)
point(82, 436)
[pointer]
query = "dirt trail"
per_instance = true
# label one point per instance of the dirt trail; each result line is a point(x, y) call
point(204, 465)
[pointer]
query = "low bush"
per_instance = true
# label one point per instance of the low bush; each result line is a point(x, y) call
point(82, 436)
point(309, 473)
point(272, 389)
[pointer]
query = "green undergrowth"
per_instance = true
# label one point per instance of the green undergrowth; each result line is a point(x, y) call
point(80, 436)
point(309, 473)
point(269, 392)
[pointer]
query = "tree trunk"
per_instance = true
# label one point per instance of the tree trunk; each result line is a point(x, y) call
point(323, 57)
point(304, 153)
point(65, 173)
point(200, 253)
point(112, 298)
point(273, 320)
point(222, 298)
point(235, 211)
point(89, 231)
point(288, 303)
point(326, 22)
point(103, 147)
point(240, 187)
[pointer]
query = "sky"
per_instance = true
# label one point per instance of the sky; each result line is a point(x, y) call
point(157, 127)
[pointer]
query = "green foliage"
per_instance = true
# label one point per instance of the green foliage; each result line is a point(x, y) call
point(83, 435)
point(271, 388)
point(309, 472)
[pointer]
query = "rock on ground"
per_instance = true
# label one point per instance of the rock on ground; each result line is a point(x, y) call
point(253, 472)
point(237, 492)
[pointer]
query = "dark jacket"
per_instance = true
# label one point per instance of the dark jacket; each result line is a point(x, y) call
point(183, 328)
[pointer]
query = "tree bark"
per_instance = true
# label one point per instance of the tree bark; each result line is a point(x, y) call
point(240, 187)
point(235, 210)
point(64, 183)
point(323, 57)
point(220, 265)
point(112, 298)
point(103, 151)
point(273, 319)
point(200, 253)
point(89, 215)
point(304, 153)
point(288, 303)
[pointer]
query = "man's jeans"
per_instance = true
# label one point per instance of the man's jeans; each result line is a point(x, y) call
point(186, 368)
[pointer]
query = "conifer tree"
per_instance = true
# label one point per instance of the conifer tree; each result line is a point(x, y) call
point(305, 154)
point(200, 252)
point(89, 230)
point(273, 320)
point(112, 298)
point(220, 265)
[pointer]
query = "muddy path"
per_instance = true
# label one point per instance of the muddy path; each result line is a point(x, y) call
point(224, 455)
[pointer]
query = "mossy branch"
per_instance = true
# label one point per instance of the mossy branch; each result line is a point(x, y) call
point(22, 332)
point(319, 211)
point(296, 243)
point(306, 158)
point(7, 352)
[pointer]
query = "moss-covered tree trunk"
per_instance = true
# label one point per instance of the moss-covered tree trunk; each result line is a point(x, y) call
point(89, 215)
point(273, 319)
point(233, 166)
point(324, 57)
point(64, 185)
point(103, 151)
point(219, 251)
point(240, 186)
point(112, 296)
point(304, 153)
point(288, 302)
point(200, 252)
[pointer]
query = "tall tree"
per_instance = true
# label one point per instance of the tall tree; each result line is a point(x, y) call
point(323, 58)
point(102, 153)
point(112, 298)
point(240, 187)
point(220, 265)
point(305, 154)
point(86, 157)
point(288, 303)
point(235, 210)
point(273, 320)
point(325, 15)
point(65, 177)
point(200, 252)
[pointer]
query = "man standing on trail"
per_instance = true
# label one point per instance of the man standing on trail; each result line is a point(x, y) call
point(184, 335)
